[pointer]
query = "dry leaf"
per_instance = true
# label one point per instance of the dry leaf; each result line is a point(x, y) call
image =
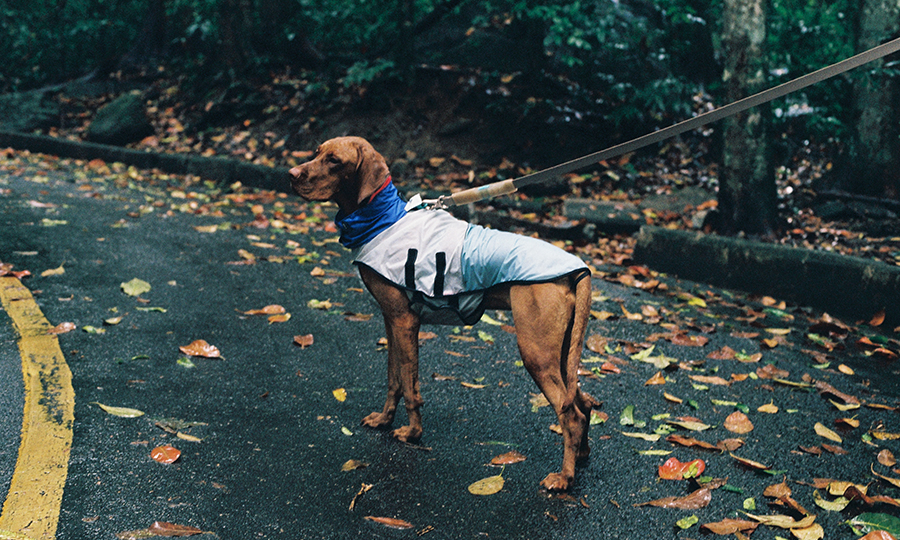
point(272, 309)
point(698, 499)
point(122, 412)
point(508, 458)
point(778, 491)
point(284, 317)
point(53, 272)
point(813, 532)
point(784, 522)
point(730, 526)
point(886, 458)
point(725, 353)
point(893, 481)
point(737, 422)
point(769, 371)
point(487, 486)
point(162, 528)
point(671, 398)
point(729, 445)
point(392, 523)
point(769, 408)
point(877, 319)
point(62, 328)
point(201, 348)
point(690, 441)
point(656, 379)
point(878, 535)
point(165, 454)
point(304, 341)
point(823, 431)
point(353, 464)
point(339, 394)
point(750, 463)
point(705, 379)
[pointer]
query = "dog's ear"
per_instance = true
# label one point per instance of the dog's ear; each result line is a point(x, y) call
point(371, 170)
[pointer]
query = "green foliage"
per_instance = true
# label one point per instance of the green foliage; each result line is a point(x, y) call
point(634, 64)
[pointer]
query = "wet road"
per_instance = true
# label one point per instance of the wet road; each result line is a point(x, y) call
point(273, 437)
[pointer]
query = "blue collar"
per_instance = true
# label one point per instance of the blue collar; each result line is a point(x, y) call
point(364, 224)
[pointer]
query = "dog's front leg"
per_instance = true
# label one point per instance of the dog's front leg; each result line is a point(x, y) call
point(402, 327)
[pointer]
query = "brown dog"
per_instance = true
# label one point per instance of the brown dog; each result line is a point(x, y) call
point(550, 316)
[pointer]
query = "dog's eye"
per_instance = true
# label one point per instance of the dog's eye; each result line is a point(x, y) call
point(333, 160)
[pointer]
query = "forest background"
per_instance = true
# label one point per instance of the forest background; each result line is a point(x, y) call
point(496, 86)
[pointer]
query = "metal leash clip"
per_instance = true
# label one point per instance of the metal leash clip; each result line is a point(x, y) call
point(416, 202)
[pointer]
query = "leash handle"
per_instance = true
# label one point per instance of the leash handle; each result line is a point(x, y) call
point(479, 193)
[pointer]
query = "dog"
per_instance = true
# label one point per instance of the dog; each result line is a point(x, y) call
point(424, 265)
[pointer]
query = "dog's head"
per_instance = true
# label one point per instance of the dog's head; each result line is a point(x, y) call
point(345, 169)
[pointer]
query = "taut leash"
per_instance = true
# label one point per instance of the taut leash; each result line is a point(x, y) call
point(506, 187)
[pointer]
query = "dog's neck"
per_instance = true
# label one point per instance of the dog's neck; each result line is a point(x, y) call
point(357, 197)
point(380, 209)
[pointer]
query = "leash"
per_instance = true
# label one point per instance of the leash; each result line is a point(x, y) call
point(506, 187)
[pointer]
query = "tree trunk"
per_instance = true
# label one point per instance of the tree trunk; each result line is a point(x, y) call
point(874, 164)
point(747, 193)
point(150, 45)
point(235, 51)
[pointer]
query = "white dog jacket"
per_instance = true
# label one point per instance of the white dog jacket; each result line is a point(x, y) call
point(445, 265)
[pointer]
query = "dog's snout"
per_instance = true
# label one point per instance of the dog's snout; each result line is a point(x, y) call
point(294, 172)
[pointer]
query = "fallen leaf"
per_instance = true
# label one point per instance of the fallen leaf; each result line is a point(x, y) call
point(135, 287)
point(284, 317)
point(784, 522)
point(690, 441)
point(392, 523)
point(165, 454)
point(340, 394)
point(272, 309)
point(737, 422)
point(813, 532)
point(508, 458)
point(879, 535)
point(769, 371)
point(893, 481)
point(886, 458)
point(769, 408)
point(54, 272)
point(698, 499)
point(877, 319)
point(778, 491)
point(62, 328)
point(750, 463)
point(162, 528)
point(673, 469)
point(353, 464)
point(729, 445)
point(730, 526)
point(304, 341)
point(725, 353)
point(487, 486)
point(823, 431)
point(122, 412)
point(705, 379)
point(870, 522)
point(201, 348)
point(837, 505)
point(650, 437)
point(690, 425)
point(656, 379)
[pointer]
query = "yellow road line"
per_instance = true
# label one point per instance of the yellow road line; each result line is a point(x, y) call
point(31, 509)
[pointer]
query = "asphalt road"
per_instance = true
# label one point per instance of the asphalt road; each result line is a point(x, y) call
point(273, 437)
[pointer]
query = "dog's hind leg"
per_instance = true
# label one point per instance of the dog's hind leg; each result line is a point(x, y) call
point(550, 330)
point(402, 328)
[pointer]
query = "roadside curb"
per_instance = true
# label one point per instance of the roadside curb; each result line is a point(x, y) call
point(218, 169)
point(842, 285)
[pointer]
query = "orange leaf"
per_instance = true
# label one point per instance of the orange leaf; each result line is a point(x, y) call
point(730, 526)
point(689, 341)
point(165, 454)
point(725, 353)
point(673, 469)
point(62, 328)
point(284, 317)
point(161, 528)
point(201, 348)
point(737, 422)
point(879, 535)
point(303, 341)
point(656, 379)
point(877, 319)
point(690, 441)
point(508, 458)
point(273, 309)
point(393, 523)
point(750, 463)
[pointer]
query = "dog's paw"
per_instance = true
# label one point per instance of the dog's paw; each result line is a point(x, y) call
point(378, 420)
point(408, 434)
point(556, 482)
